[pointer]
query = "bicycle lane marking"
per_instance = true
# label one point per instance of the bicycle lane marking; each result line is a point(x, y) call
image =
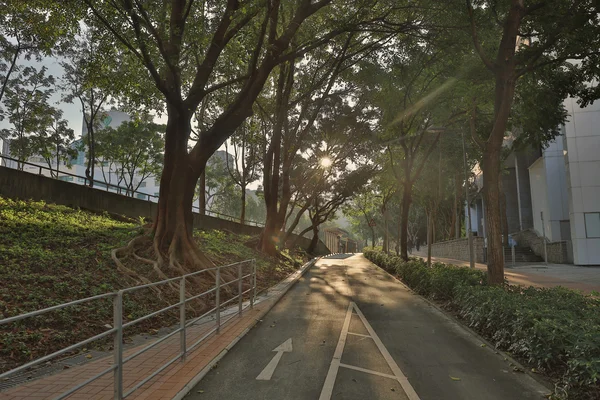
point(327, 390)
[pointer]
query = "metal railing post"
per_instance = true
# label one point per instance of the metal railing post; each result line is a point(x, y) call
point(513, 251)
point(218, 299)
point(240, 299)
point(118, 344)
point(182, 334)
point(253, 298)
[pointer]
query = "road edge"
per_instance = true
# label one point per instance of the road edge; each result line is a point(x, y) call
point(293, 278)
point(539, 379)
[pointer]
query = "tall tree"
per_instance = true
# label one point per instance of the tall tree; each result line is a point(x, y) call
point(31, 30)
point(134, 149)
point(527, 45)
point(53, 144)
point(88, 79)
point(243, 168)
point(412, 92)
point(362, 211)
point(27, 105)
point(191, 49)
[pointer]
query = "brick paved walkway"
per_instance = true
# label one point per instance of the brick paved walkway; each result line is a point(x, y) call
point(169, 383)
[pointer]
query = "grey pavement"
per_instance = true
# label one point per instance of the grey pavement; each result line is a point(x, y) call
point(339, 352)
point(586, 279)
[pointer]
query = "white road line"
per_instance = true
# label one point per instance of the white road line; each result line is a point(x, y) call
point(358, 334)
point(406, 386)
point(327, 390)
point(368, 371)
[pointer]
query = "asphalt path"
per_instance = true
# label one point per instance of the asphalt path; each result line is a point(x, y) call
point(347, 330)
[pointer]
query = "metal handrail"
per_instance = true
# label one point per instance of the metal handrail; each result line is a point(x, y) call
point(119, 326)
point(121, 189)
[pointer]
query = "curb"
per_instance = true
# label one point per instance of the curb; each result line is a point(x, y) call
point(292, 280)
point(507, 357)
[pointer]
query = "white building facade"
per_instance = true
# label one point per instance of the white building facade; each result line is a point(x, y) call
point(582, 166)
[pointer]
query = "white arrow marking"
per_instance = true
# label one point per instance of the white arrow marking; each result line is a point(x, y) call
point(267, 373)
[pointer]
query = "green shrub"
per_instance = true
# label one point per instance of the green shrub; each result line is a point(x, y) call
point(554, 330)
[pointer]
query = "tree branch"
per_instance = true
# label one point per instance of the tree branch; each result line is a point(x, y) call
point(488, 63)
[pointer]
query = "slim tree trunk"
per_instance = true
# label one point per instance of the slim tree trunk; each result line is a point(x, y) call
point(372, 237)
point(398, 234)
point(314, 241)
point(386, 236)
point(89, 170)
point(406, 202)
point(455, 228)
point(243, 212)
point(502, 200)
point(202, 193)
point(429, 218)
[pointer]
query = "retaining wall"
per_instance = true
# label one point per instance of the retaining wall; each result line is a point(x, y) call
point(457, 249)
point(558, 252)
point(25, 185)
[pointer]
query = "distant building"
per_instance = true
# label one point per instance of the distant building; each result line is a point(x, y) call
point(338, 240)
point(554, 194)
point(105, 175)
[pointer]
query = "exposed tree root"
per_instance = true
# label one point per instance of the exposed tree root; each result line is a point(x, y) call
point(128, 250)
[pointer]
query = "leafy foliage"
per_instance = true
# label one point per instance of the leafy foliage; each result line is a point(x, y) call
point(554, 330)
point(29, 112)
point(134, 149)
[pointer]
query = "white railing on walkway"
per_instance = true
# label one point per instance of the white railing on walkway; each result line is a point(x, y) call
point(119, 326)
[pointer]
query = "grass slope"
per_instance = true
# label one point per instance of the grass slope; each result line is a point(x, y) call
point(52, 254)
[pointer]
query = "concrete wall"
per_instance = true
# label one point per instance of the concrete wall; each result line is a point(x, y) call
point(25, 185)
point(457, 249)
point(582, 158)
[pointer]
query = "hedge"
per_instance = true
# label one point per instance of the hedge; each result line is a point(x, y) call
point(556, 331)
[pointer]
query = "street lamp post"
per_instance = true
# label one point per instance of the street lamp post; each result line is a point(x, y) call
point(469, 233)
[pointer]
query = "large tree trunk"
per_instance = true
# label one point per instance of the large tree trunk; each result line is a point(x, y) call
point(491, 195)
point(173, 224)
point(406, 202)
point(272, 164)
point(505, 73)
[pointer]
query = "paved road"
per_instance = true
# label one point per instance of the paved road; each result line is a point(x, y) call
point(357, 334)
